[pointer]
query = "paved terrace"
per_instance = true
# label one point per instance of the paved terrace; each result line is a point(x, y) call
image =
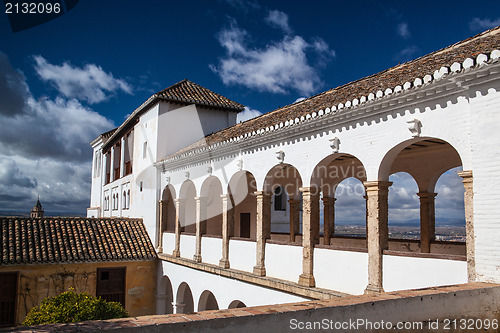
point(472, 300)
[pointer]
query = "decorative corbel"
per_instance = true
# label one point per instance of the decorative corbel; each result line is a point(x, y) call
point(335, 144)
point(281, 156)
point(414, 126)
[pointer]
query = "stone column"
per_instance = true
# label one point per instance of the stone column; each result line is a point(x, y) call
point(469, 224)
point(162, 224)
point(179, 216)
point(377, 232)
point(227, 227)
point(200, 217)
point(178, 307)
point(366, 219)
point(329, 219)
point(112, 165)
point(263, 224)
point(427, 228)
point(294, 218)
point(122, 157)
point(310, 222)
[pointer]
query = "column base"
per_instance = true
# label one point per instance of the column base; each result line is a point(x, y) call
point(197, 257)
point(224, 263)
point(259, 270)
point(370, 289)
point(307, 280)
point(176, 253)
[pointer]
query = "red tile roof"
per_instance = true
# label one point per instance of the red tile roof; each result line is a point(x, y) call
point(66, 240)
point(186, 91)
point(390, 78)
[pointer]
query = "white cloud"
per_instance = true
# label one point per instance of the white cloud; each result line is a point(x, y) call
point(483, 24)
point(44, 149)
point(90, 83)
point(276, 68)
point(403, 30)
point(299, 99)
point(278, 19)
point(247, 114)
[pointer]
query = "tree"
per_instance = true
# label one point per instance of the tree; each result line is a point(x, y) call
point(72, 307)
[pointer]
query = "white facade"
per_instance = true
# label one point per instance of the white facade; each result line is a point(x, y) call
point(208, 203)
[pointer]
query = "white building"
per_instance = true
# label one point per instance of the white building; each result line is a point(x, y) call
point(235, 209)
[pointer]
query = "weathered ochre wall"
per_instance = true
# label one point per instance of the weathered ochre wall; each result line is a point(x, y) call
point(37, 282)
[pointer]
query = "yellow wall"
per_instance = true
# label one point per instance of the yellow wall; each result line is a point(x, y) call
point(37, 282)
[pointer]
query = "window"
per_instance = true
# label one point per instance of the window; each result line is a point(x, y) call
point(124, 200)
point(111, 284)
point(140, 186)
point(279, 198)
point(128, 199)
point(8, 291)
point(145, 149)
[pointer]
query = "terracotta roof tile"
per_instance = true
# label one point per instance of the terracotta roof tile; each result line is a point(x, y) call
point(390, 78)
point(186, 91)
point(62, 240)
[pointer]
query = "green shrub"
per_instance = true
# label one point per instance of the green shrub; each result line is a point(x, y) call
point(72, 307)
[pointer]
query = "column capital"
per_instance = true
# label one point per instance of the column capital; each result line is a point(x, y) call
point(262, 193)
point(179, 201)
point(327, 201)
point(466, 175)
point(426, 195)
point(310, 190)
point(376, 185)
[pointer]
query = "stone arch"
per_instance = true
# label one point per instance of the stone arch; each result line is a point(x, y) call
point(211, 191)
point(425, 160)
point(236, 304)
point(165, 296)
point(285, 179)
point(326, 177)
point(167, 209)
point(187, 207)
point(207, 301)
point(184, 299)
point(241, 188)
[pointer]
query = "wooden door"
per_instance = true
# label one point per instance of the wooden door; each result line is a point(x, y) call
point(111, 284)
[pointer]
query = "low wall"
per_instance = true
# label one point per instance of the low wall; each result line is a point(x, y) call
point(426, 310)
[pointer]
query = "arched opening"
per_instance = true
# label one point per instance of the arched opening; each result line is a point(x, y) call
point(425, 160)
point(350, 213)
point(187, 207)
point(211, 206)
point(165, 297)
point(167, 214)
point(283, 182)
point(184, 299)
point(340, 179)
point(241, 189)
point(403, 213)
point(207, 301)
point(450, 213)
point(236, 304)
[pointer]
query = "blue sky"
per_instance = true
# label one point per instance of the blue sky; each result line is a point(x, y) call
point(64, 82)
